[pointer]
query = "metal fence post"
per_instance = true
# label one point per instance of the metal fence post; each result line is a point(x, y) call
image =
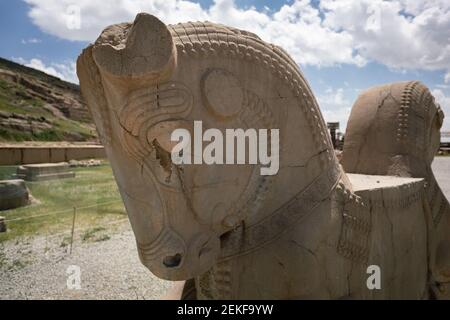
point(73, 229)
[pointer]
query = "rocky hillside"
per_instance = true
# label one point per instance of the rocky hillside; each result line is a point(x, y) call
point(35, 106)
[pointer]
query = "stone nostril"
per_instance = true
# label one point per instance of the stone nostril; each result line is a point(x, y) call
point(172, 261)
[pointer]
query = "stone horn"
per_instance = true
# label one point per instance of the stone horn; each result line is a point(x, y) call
point(146, 53)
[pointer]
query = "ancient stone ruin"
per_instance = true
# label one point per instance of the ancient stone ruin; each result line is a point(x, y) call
point(310, 231)
point(393, 130)
point(85, 163)
point(31, 153)
point(13, 194)
point(44, 171)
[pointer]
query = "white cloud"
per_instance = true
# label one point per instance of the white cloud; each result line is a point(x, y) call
point(444, 102)
point(297, 27)
point(56, 16)
point(401, 34)
point(65, 71)
point(31, 40)
point(334, 97)
point(447, 77)
point(335, 106)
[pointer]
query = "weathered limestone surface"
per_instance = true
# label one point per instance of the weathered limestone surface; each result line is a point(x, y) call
point(396, 213)
point(44, 171)
point(393, 130)
point(310, 231)
point(13, 194)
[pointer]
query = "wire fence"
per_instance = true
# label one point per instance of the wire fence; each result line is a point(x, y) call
point(59, 234)
point(62, 211)
point(75, 211)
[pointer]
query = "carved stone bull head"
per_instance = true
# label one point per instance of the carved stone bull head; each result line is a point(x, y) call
point(143, 80)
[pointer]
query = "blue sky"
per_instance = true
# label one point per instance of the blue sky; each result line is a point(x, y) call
point(342, 47)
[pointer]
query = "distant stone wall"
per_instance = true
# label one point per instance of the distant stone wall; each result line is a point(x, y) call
point(32, 154)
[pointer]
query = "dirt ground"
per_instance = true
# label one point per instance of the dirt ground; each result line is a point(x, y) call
point(39, 268)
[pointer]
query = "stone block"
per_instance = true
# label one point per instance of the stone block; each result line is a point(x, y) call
point(44, 171)
point(13, 194)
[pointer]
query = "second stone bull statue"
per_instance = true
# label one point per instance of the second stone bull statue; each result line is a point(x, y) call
point(310, 231)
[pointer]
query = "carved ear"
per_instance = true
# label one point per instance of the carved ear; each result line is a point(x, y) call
point(92, 91)
point(148, 51)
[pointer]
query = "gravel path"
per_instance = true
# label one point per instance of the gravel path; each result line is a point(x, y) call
point(35, 268)
point(110, 269)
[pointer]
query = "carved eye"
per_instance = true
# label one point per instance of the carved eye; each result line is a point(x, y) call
point(222, 93)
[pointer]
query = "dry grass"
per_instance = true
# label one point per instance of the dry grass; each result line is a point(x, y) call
point(93, 192)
